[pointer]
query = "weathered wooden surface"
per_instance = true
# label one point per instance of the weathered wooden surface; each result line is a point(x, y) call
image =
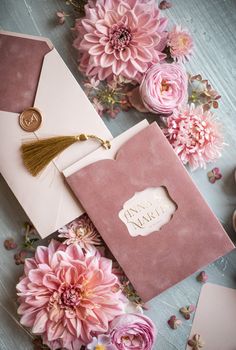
point(213, 25)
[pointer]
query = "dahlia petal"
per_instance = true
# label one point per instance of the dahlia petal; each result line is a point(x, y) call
point(56, 314)
point(163, 24)
point(130, 71)
point(143, 19)
point(133, 51)
point(104, 73)
point(108, 48)
point(92, 38)
point(139, 65)
point(117, 67)
point(36, 276)
point(101, 27)
point(52, 248)
point(105, 264)
point(75, 251)
point(51, 281)
point(122, 8)
point(71, 324)
point(142, 40)
point(132, 20)
point(38, 301)
point(104, 40)
point(106, 60)
point(152, 26)
point(28, 318)
point(95, 278)
point(22, 286)
point(96, 50)
point(85, 45)
point(71, 275)
point(111, 17)
point(29, 264)
point(144, 54)
point(40, 322)
point(56, 331)
point(41, 256)
point(125, 54)
point(88, 25)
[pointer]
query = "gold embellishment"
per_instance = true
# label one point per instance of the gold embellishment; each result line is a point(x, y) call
point(38, 154)
point(30, 119)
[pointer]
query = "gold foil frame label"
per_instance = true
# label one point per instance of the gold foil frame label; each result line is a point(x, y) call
point(147, 211)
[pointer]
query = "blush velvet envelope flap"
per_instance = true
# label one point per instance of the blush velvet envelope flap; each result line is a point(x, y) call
point(33, 74)
point(148, 211)
point(215, 318)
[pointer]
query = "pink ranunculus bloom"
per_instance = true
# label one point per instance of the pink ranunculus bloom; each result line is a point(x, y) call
point(164, 88)
point(195, 136)
point(132, 331)
point(66, 296)
point(180, 43)
point(120, 38)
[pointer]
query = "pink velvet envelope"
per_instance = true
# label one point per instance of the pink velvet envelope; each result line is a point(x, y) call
point(33, 74)
point(149, 212)
point(215, 318)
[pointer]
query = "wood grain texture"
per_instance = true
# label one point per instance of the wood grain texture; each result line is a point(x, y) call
point(213, 25)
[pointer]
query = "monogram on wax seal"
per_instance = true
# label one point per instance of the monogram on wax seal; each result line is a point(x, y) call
point(30, 119)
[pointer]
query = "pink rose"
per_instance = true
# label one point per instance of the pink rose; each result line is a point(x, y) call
point(132, 331)
point(164, 88)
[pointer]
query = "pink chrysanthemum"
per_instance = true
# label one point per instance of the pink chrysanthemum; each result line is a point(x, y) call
point(120, 38)
point(67, 296)
point(194, 135)
point(81, 231)
point(180, 43)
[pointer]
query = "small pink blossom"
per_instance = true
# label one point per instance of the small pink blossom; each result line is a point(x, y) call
point(187, 310)
point(10, 244)
point(102, 342)
point(92, 84)
point(164, 88)
point(20, 257)
point(81, 231)
point(98, 106)
point(67, 296)
point(195, 136)
point(120, 38)
point(132, 331)
point(202, 277)
point(61, 16)
point(173, 322)
point(214, 175)
point(180, 43)
point(164, 4)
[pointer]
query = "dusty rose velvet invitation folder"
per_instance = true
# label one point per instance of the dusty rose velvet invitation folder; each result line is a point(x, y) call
point(149, 212)
point(33, 74)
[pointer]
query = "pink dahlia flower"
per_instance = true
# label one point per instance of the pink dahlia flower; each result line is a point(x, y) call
point(66, 296)
point(81, 231)
point(132, 332)
point(180, 43)
point(120, 38)
point(195, 136)
point(164, 88)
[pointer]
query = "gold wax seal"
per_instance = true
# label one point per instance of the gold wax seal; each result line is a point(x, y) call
point(30, 119)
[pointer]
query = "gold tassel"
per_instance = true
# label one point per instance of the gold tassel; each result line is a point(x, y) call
point(38, 154)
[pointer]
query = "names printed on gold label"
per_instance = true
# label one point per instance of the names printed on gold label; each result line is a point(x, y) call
point(147, 211)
